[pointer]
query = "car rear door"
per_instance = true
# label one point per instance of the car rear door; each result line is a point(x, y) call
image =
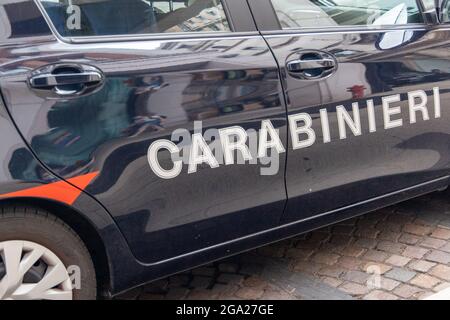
point(367, 90)
point(118, 84)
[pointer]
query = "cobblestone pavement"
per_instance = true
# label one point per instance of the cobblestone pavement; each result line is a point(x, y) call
point(401, 252)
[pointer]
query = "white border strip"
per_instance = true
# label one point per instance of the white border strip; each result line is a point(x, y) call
point(443, 295)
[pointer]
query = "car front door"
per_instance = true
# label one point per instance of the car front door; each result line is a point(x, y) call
point(367, 91)
point(125, 89)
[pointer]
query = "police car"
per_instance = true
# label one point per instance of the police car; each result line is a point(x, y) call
point(141, 138)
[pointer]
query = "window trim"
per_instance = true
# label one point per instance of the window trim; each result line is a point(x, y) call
point(153, 36)
point(269, 22)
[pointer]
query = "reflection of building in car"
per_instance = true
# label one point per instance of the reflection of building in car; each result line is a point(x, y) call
point(317, 13)
point(99, 17)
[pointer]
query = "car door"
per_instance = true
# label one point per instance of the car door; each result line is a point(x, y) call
point(122, 89)
point(367, 91)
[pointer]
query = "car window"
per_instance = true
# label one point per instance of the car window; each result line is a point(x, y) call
point(332, 13)
point(446, 11)
point(74, 18)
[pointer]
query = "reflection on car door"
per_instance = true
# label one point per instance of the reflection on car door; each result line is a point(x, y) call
point(374, 64)
point(153, 87)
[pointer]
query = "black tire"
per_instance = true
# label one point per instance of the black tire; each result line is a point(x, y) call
point(35, 225)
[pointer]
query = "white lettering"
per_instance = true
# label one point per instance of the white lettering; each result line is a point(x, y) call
point(267, 129)
point(371, 115)
point(305, 129)
point(152, 156)
point(325, 126)
point(437, 102)
point(415, 107)
point(345, 119)
point(229, 146)
point(389, 111)
point(200, 153)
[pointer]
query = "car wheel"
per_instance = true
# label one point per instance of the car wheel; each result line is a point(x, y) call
point(42, 258)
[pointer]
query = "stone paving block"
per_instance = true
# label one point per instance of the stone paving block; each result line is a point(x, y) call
point(398, 261)
point(202, 294)
point(441, 233)
point(391, 247)
point(415, 252)
point(271, 294)
point(386, 226)
point(333, 282)
point(366, 243)
point(299, 253)
point(353, 251)
point(391, 236)
point(400, 274)
point(424, 281)
point(388, 284)
point(255, 282)
point(442, 287)
point(327, 258)
point(367, 233)
point(224, 290)
point(432, 243)
point(249, 293)
point(354, 289)
point(406, 291)
point(307, 267)
point(300, 285)
point(445, 223)
point(409, 239)
point(380, 295)
point(337, 243)
point(439, 257)
point(441, 271)
point(350, 263)
point(421, 265)
point(356, 276)
point(331, 271)
point(417, 229)
point(374, 255)
point(445, 248)
point(380, 268)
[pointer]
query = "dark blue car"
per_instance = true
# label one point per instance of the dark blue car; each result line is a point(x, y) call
point(141, 138)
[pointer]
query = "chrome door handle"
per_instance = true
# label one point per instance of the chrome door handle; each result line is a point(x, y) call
point(302, 65)
point(311, 65)
point(66, 80)
point(52, 80)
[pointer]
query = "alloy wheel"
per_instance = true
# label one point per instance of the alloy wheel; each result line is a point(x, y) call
point(29, 271)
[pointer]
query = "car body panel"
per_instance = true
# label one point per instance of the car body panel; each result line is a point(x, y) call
point(372, 63)
point(374, 163)
point(153, 88)
point(152, 227)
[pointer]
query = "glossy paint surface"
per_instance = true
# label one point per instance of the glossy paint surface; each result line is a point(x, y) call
point(371, 65)
point(151, 227)
point(153, 88)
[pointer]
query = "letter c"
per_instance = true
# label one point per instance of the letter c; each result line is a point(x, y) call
point(152, 157)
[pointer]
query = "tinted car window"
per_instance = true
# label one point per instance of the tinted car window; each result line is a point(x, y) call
point(331, 13)
point(446, 11)
point(131, 17)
